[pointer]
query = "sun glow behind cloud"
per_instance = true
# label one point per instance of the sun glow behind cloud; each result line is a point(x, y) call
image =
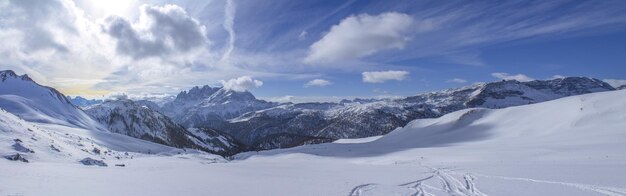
point(103, 8)
point(165, 46)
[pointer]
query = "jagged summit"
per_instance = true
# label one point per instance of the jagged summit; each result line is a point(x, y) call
point(196, 93)
point(213, 94)
point(205, 104)
point(11, 74)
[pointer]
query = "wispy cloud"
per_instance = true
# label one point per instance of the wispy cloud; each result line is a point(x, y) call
point(383, 76)
point(457, 80)
point(518, 77)
point(229, 23)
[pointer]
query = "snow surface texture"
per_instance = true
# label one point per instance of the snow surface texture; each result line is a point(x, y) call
point(569, 146)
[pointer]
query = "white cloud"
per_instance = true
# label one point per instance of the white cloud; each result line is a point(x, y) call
point(382, 76)
point(518, 77)
point(53, 41)
point(160, 31)
point(361, 35)
point(318, 83)
point(457, 80)
point(615, 82)
point(241, 84)
point(283, 99)
point(558, 77)
point(116, 96)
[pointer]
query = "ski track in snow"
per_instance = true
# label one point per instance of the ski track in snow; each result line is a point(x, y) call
point(609, 191)
point(466, 186)
point(450, 185)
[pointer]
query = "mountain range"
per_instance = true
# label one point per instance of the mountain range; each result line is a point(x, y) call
point(226, 122)
point(274, 125)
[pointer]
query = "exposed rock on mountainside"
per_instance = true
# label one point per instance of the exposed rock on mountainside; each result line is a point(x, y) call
point(202, 105)
point(131, 118)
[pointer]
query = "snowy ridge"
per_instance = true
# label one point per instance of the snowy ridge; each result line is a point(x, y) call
point(25, 98)
point(59, 143)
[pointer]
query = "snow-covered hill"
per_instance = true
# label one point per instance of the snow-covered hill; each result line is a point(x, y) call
point(134, 119)
point(25, 98)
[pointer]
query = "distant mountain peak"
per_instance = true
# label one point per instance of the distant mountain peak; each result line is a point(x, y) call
point(83, 102)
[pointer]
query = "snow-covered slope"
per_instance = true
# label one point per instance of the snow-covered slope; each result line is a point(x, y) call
point(42, 142)
point(25, 98)
point(126, 117)
point(134, 119)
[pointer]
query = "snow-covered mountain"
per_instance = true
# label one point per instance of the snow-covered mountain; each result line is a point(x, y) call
point(134, 119)
point(290, 125)
point(201, 106)
point(43, 142)
point(30, 101)
point(82, 102)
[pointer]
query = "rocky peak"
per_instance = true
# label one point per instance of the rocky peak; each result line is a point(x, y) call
point(196, 93)
point(225, 95)
point(571, 85)
point(6, 74)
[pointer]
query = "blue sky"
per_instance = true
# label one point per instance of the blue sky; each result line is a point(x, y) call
point(342, 49)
